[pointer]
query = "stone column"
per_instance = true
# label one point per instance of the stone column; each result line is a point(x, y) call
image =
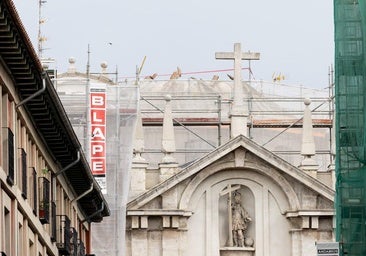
point(296, 239)
point(138, 178)
point(170, 243)
point(139, 238)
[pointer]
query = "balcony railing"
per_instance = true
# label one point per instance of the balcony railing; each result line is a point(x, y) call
point(23, 159)
point(53, 222)
point(67, 238)
point(44, 200)
point(35, 195)
point(10, 178)
point(81, 249)
point(63, 234)
point(74, 242)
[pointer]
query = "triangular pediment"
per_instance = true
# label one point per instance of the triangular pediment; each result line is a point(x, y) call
point(254, 153)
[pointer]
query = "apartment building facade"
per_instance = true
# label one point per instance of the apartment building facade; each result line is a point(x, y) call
point(48, 196)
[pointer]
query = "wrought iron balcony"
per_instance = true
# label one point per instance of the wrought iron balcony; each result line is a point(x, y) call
point(44, 200)
point(23, 157)
point(10, 136)
point(66, 237)
point(63, 234)
point(81, 248)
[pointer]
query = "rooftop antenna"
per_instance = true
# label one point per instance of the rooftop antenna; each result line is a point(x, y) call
point(88, 64)
point(41, 21)
point(116, 75)
point(87, 110)
point(250, 72)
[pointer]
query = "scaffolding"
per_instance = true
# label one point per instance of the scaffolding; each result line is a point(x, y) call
point(350, 75)
point(201, 112)
point(121, 108)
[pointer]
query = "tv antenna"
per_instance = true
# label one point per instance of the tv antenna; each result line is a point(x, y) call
point(41, 21)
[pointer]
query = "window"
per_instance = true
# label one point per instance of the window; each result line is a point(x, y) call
point(7, 231)
point(81, 248)
point(20, 239)
point(73, 241)
point(10, 178)
point(23, 161)
point(53, 207)
point(64, 234)
point(44, 200)
point(32, 246)
point(34, 182)
point(7, 137)
point(53, 222)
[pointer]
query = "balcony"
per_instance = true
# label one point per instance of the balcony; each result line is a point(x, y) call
point(23, 160)
point(81, 249)
point(66, 237)
point(63, 234)
point(9, 162)
point(44, 200)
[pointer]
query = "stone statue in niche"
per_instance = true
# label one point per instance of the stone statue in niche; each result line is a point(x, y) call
point(240, 220)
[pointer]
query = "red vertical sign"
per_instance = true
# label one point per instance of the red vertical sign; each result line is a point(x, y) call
point(98, 132)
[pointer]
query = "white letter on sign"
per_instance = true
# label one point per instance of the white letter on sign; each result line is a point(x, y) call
point(95, 118)
point(97, 149)
point(97, 166)
point(98, 133)
point(97, 100)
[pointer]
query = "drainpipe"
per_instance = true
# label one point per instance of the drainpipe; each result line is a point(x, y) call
point(83, 194)
point(94, 214)
point(36, 93)
point(70, 165)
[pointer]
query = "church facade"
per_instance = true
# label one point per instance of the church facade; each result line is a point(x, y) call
point(48, 196)
point(218, 168)
point(188, 213)
point(238, 199)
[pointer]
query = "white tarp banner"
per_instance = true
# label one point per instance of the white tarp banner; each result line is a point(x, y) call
point(108, 237)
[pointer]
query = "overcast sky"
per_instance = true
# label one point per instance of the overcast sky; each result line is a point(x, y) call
point(295, 38)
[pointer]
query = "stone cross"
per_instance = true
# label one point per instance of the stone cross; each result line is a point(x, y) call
point(228, 190)
point(239, 109)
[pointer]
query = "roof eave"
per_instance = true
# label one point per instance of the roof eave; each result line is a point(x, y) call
point(46, 111)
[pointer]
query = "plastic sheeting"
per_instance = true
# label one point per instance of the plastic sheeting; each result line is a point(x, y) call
point(107, 236)
point(206, 104)
point(205, 108)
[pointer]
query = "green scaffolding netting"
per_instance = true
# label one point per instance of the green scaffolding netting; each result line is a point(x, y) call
point(350, 74)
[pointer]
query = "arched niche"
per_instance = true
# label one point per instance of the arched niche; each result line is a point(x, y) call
point(265, 200)
point(226, 200)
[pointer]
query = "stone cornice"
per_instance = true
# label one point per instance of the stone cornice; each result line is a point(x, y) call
point(318, 212)
point(230, 146)
point(158, 212)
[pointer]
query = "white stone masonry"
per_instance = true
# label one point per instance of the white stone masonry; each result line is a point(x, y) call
point(308, 144)
point(239, 112)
